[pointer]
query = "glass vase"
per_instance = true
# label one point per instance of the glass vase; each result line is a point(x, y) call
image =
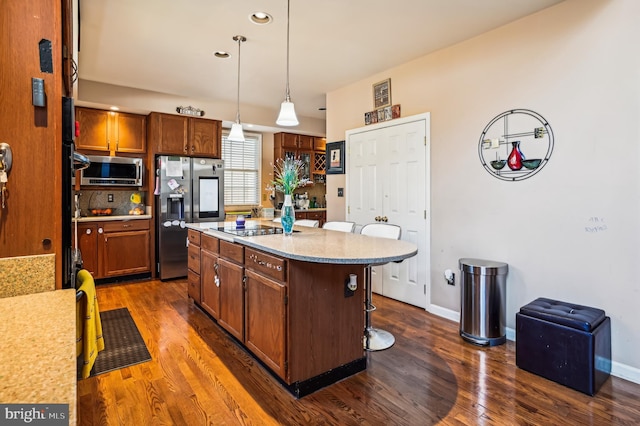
point(515, 158)
point(288, 215)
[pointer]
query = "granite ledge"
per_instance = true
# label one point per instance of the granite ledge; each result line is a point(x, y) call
point(38, 355)
point(320, 245)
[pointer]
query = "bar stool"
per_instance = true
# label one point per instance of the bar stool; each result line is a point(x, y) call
point(376, 339)
point(312, 223)
point(339, 226)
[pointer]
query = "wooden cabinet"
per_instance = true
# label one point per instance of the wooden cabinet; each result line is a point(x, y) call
point(319, 215)
point(209, 275)
point(265, 324)
point(266, 309)
point(310, 149)
point(180, 135)
point(125, 247)
point(111, 131)
point(115, 248)
point(319, 144)
point(194, 265)
point(231, 276)
point(88, 245)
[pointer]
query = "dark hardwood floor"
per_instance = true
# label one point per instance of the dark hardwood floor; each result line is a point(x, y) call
point(198, 375)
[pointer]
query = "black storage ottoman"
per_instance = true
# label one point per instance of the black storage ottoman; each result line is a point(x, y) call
point(569, 344)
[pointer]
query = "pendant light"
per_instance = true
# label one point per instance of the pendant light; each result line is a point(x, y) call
point(236, 134)
point(287, 116)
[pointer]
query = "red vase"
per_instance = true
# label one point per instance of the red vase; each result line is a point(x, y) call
point(515, 158)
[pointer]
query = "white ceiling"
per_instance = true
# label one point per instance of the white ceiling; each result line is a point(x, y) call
point(167, 46)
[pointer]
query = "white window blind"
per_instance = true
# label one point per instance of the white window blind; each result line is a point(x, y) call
point(241, 170)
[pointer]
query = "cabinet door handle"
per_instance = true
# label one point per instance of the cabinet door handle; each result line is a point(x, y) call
point(100, 230)
point(216, 280)
point(88, 231)
point(126, 226)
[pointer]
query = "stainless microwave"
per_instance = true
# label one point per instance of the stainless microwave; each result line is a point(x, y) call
point(112, 171)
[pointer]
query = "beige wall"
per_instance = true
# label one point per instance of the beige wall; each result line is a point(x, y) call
point(577, 65)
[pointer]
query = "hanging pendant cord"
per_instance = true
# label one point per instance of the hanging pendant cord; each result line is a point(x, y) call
point(238, 97)
point(240, 39)
point(287, 96)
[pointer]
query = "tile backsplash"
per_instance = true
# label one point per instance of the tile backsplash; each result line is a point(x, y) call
point(99, 199)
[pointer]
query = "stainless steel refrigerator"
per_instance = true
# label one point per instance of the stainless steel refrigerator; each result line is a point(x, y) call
point(188, 189)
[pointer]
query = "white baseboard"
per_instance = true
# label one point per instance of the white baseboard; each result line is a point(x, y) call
point(620, 370)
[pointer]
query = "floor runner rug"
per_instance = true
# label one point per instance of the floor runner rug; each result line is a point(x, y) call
point(123, 344)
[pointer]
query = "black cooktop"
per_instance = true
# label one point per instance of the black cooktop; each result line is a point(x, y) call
point(251, 231)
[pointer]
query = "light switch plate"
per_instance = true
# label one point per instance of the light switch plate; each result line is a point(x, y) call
point(340, 192)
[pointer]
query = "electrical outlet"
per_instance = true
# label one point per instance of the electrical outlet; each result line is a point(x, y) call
point(110, 198)
point(347, 291)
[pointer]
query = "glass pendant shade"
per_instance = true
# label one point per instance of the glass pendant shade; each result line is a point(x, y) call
point(287, 116)
point(236, 134)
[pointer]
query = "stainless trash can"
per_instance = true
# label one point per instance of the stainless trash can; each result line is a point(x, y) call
point(483, 299)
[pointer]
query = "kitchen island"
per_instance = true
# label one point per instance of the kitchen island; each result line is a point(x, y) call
point(285, 298)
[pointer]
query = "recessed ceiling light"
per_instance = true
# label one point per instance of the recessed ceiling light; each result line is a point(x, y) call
point(221, 54)
point(260, 18)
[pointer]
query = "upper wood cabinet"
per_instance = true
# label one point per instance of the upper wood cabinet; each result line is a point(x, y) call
point(290, 142)
point(180, 135)
point(110, 131)
point(309, 149)
point(319, 144)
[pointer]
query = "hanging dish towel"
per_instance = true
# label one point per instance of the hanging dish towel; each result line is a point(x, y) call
point(89, 340)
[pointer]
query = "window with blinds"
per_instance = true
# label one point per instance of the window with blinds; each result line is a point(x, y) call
point(241, 170)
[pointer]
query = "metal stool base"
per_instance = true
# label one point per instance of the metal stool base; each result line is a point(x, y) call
point(377, 340)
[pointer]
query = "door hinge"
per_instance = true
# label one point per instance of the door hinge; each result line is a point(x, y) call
point(425, 214)
point(425, 141)
point(425, 289)
point(348, 209)
point(286, 366)
point(286, 299)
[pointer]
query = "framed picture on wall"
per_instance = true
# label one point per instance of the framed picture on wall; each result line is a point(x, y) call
point(382, 94)
point(335, 158)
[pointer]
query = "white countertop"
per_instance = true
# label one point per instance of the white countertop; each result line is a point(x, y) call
point(320, 245)
point(108, 218)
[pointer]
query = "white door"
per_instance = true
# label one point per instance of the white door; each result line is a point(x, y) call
point(387, 178)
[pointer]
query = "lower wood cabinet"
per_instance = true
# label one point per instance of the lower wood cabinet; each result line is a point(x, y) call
point(231, 276)
point(209, 276)
point(320, 216)
point(115, 248)
point(88, 245)
point(193, 265)
point(265, 323)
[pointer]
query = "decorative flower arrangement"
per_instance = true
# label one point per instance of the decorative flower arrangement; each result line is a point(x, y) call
point(288, 175)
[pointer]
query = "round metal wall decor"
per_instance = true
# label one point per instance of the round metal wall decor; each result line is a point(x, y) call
point(515, 145)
